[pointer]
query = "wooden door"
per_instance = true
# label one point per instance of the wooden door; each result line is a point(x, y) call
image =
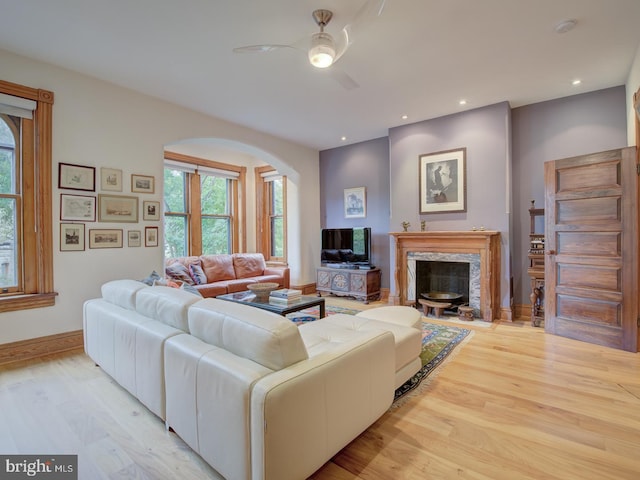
point(591, 237)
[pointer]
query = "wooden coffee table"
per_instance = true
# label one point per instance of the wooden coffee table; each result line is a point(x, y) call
point(248, 298)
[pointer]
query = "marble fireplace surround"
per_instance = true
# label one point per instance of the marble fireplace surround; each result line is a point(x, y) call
point(481, 249)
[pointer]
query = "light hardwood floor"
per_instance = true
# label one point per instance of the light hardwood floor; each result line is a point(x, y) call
point(512, 403)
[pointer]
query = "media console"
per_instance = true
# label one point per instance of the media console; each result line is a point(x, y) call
point(358, 282)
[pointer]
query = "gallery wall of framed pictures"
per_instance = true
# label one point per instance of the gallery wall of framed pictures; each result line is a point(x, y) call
point(110, 199)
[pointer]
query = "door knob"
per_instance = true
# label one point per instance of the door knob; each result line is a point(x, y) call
point(551, 252)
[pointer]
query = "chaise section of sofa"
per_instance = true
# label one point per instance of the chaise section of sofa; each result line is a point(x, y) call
point(245, 392)
point(214, 275)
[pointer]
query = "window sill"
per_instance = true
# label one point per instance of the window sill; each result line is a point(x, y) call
point(27, 301)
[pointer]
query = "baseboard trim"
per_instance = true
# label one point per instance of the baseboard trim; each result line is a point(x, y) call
point(41, 346)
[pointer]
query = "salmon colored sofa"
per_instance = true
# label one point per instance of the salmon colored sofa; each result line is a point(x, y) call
point(214, 275)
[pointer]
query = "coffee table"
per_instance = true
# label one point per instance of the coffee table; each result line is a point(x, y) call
point(248, 298)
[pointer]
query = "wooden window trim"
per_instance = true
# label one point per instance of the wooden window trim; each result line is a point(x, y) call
point(237, 207)
point(263, 218)
point(37, 247)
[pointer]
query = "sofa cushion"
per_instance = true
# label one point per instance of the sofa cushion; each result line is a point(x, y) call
point(218, 267)
point(248, 264)
point(178, 272)
point(167, 305)
point(264, 337)
point(122, 292)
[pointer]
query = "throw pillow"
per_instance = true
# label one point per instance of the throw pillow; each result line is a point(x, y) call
point(165, 282)
point(198, 274)
point(178, 272)
point(190, 289)
point(153, 276)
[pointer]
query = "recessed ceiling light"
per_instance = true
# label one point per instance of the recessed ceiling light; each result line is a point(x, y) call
point(343, 138)
point(462, 102)
point(577, 81)
point(565, 26)
point(404, 117)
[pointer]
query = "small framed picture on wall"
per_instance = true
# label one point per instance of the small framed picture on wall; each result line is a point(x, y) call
point(151, 210)
point(134, 238)
point(105, 238)
point(80, 208)
point(76, 177)
point(71, 237)
point(142, 184)
point(111, 179)
point(355, 202)
point(151, 236)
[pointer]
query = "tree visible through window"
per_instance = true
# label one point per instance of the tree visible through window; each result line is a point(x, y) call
point(200, 207)
point(276, 216)
point(10, 202)
point(215, 213)
point(175, 216)
point(271, 200)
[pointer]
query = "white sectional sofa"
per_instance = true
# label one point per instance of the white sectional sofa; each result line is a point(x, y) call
point(253, 394)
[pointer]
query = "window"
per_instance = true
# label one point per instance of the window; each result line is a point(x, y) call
point(10, 202)
point(271, 196)
point(201, 206)
point(26, 259)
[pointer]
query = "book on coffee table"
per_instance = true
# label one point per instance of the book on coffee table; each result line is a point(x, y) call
point(284, 301)
point(286, 293)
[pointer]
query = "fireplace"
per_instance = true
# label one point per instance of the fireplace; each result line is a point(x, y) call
point(444, 272)
point(476, 251)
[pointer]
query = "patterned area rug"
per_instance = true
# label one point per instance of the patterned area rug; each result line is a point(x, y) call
point(438, 341)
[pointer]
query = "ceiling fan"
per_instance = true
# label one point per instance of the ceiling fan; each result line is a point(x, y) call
point(322, 49)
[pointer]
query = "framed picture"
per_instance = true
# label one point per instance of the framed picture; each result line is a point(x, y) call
point(150, 210)
point(111, 179)
point(117, 208)
point(134, 238)
point(71, 237)
point(77, 207)
point(443, 187)
point(76, 177)
point(355, 202)
point(142, 184)
point(105, 238)
point(150, 236)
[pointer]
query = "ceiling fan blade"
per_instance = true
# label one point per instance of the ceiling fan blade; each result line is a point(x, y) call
point(265, 48)
point(371, 10)
point(342, 78)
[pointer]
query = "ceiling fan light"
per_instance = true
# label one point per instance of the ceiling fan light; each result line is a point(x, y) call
point(322, 51)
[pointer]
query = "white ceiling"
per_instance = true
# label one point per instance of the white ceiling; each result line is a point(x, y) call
point(419, 58)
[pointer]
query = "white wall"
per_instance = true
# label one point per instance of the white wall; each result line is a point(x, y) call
point(102, 125)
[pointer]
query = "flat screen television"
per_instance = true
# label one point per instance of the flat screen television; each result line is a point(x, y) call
point(346, 245)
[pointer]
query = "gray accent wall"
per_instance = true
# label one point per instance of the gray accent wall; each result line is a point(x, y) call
point(506, 151)
point(566, 127)
point(485, 133)
point(364, 164)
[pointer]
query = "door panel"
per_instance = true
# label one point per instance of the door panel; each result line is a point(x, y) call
point(591, 268)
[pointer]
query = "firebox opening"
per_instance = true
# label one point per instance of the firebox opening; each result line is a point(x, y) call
point(451, 277)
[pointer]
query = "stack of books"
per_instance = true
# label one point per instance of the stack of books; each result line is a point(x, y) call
point(285, 295)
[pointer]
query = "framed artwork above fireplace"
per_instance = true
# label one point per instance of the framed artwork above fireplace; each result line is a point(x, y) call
point(443, 187)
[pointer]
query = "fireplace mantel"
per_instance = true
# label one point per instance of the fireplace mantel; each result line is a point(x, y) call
point(485, 243)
